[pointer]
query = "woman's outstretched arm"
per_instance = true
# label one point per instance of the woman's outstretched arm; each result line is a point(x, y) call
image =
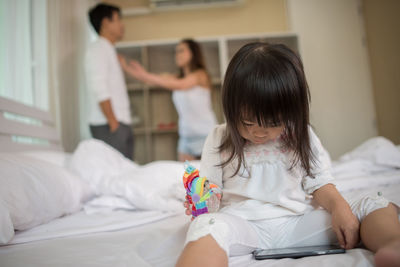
point(172, 83)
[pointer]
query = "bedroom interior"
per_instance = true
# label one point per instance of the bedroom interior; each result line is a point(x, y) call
point(79, 202)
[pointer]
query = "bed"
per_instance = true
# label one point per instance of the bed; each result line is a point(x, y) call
point(95, 208)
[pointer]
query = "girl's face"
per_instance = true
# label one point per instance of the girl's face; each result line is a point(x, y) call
point(183, 55)
point(257, 134)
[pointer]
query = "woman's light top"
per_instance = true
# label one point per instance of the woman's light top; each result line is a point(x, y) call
point(196, 117)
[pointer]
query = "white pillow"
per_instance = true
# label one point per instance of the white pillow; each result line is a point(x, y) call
point(34, 191)
point(58, 158)
point(6, 226)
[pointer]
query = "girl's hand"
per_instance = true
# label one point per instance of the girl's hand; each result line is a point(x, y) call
point(188, 211)
point(187, 206)
point(346, 226)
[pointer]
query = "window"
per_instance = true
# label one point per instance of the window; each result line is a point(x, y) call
point(23, 52)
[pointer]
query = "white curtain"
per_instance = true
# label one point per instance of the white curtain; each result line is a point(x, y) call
point(23, 52)
point(69, 35)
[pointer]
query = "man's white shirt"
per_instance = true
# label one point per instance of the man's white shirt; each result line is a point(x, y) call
point(105, 80)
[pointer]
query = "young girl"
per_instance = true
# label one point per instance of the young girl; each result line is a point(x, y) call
point(274, 172)
point(191, 96)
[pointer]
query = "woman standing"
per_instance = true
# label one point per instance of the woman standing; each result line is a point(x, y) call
point(191, 96)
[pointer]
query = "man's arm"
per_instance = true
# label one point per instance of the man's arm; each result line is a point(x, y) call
point(107, 110)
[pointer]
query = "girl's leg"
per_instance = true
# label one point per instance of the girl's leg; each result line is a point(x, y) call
point(380, 232)
point(203, 252)
point(212, 237)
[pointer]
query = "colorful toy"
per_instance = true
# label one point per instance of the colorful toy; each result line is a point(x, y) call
point(203, 197)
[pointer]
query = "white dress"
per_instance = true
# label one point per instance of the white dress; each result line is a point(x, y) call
point(273, 190)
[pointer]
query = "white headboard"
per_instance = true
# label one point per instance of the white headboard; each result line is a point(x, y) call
point(25, 128)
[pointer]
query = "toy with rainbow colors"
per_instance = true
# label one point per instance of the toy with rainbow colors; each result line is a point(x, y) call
point(203, 197)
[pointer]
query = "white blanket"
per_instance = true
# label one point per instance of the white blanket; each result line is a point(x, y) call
point(155, 186)
point(158, 185)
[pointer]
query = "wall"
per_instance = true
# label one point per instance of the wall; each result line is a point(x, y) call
point(251, 17)
point(332, 45)
point(383, 35)
point(68, 35)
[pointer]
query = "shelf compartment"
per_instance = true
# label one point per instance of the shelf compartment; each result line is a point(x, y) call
point(141, 149)
point(290, 42)
point(136, 86)
point(161, 59)
point(216, 101)
point(166, 130)
point(164, 146)
point(211, 56)
point(162, 109)
point(235, 44)
point(138, 108)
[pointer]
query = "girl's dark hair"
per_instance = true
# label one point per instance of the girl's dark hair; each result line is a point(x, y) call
point(101, 11)
point(197, 62)
point(267, 82)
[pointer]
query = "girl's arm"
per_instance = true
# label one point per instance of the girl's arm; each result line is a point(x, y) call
point(172, 83)
point(344, 222)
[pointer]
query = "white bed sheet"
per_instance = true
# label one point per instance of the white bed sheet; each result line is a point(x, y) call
point(82, 223)
point(156, 244)
point(152, 244)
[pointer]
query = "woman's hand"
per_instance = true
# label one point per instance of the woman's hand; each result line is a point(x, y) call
point(346, 226)
point(133, 68)
point(137, 70)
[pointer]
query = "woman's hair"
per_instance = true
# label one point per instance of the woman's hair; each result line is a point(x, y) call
point(197, 61)
point(266, 82)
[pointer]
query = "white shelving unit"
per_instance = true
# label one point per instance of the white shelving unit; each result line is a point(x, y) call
point(154, 115)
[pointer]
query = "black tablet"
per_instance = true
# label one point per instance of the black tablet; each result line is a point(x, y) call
point(299, 252)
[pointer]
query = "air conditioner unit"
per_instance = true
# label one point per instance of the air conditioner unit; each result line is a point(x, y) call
point(190, 4)
point(171, 5)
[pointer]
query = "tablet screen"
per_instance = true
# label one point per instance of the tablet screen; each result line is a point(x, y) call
point(297, 252)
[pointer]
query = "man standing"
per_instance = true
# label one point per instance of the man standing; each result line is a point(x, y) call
point(109, 116)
